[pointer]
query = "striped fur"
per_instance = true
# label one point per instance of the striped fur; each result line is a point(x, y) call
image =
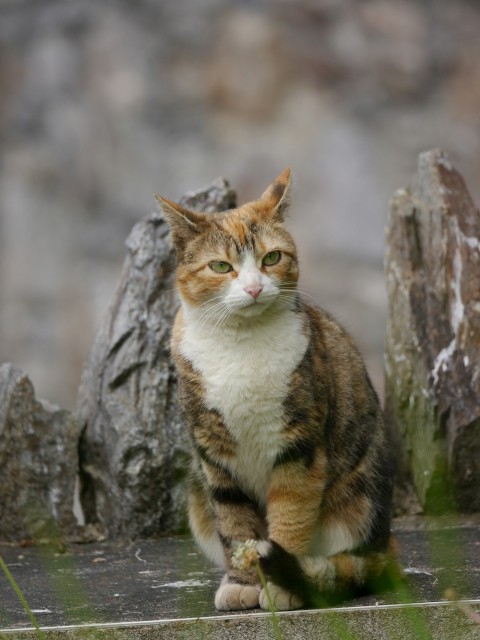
point(288, 442)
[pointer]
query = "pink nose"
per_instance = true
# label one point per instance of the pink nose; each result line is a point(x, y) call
point(254, 290)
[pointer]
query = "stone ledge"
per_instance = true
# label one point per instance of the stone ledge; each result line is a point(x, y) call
point(439, 620)
point(164, 589)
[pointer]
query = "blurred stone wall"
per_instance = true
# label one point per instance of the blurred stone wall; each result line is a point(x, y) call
point(101, 104)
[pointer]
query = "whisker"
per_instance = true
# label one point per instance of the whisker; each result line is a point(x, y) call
point(300, 292)
point(225, 315)
point(221, 317)
point(219, 297)
point(212, 314)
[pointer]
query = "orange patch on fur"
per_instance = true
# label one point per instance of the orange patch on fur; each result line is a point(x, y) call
point(392, 548)
point(349, 569)
point(293, 504)
point(236, 227)
point(354, 514)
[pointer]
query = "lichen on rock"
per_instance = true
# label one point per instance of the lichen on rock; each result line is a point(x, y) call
point(38, 462)
point(432, 359)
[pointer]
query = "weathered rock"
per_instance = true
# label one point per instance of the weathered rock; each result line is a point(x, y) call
point(217, 196)
point(38, 462)
point(134, 452)
point(432, 359)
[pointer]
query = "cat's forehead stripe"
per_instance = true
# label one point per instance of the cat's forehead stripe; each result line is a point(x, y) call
point(239, 232)
point(236, 227)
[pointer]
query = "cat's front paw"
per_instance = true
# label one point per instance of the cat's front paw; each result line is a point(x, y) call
point(282, 600)
point(231, 596)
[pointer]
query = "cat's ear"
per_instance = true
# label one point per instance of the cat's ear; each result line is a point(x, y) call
point(183, 222)
point(277, 196)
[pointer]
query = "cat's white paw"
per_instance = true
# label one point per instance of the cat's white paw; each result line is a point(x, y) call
point(320, 570)
point(282, 600)
point(231, 597)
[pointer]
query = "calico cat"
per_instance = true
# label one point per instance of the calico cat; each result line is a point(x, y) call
point(289, 446)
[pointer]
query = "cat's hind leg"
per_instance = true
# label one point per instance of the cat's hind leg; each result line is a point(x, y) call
point(317, 581)
point(293, 582)
point(202, 525)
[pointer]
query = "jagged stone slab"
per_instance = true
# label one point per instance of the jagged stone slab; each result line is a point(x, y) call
point(38, 462)
point(432, 358)
point(134, 451)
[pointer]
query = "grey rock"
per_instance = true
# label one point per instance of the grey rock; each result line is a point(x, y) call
point(217, 196)
point(432, 358)
point(133, 450)
point(38, 462)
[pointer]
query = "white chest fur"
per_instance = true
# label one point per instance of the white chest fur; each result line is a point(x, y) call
point(246, 374)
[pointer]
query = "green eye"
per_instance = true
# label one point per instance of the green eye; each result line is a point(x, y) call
point(271, 258)
point(220, 267)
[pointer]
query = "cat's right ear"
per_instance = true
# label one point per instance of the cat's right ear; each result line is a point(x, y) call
point(183, 222)
point(277, 196)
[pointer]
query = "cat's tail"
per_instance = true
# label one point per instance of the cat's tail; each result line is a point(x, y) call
point(318, 581)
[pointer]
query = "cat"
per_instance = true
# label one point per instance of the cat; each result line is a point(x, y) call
point(289, 446)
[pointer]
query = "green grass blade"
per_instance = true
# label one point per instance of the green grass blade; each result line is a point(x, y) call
point(263, 581)
point(21, 597)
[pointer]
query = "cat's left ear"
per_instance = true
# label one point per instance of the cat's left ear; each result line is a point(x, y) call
point(277, 196)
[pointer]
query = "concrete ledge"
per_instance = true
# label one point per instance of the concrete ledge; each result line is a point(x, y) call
point(436, 620)
point(156, 589)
